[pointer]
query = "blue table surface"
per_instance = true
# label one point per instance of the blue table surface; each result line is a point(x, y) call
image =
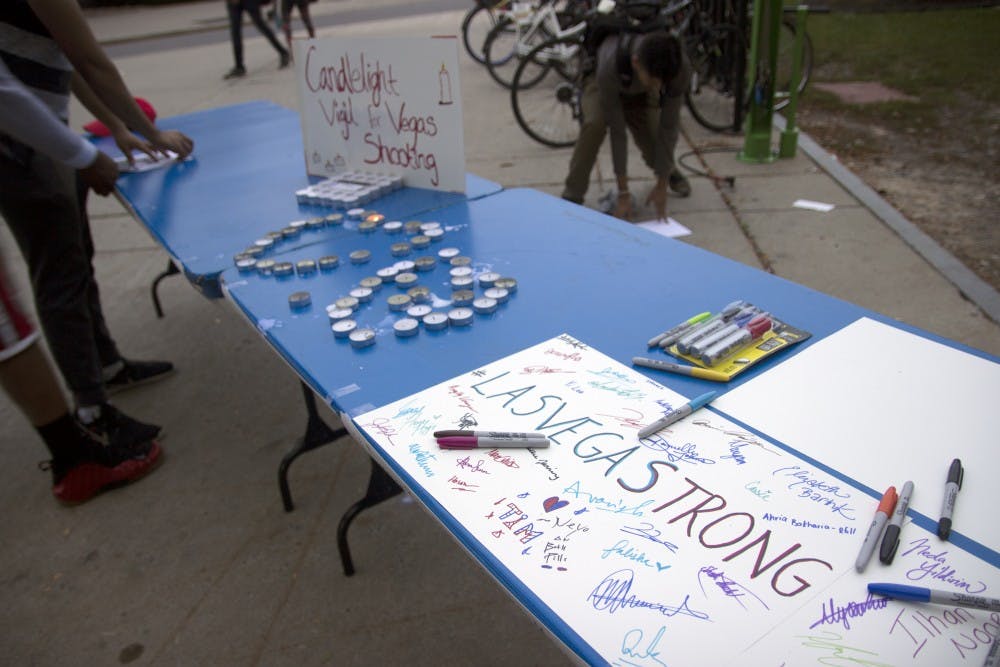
point(248, 163)
point(607, 283)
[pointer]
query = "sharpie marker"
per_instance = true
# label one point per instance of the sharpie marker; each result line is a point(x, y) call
point(475, 442)
point(486, 434)
point(917, 594)
point(734, 326)
point(693, 371)
point(954, 483)
point(891, 540)
point(678, 330)
point(707, 326)
point(993, 657)
point(677, 415)
point(754, 329)
point(885, 507)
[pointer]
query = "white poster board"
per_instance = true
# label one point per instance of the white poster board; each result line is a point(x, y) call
point(383, 104)
point(703, 544)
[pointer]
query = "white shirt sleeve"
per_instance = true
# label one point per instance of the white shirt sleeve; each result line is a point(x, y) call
point(26, 118)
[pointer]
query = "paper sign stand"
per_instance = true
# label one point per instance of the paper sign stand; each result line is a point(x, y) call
point(383, 104)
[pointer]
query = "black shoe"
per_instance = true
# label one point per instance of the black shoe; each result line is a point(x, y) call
point(135, 373)
point(115, 429)
point(286, 59)
point(93, 468)
point(236, 72)
point(679, 184)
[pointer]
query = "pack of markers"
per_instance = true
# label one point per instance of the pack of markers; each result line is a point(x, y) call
point(730, 341)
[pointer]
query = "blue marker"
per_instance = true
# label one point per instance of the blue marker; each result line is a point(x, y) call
point(917, 594)
point(677, 415)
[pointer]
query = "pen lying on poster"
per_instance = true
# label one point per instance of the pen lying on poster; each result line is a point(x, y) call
point(885, 508)
point(891, 540)
point(693, 371)
point(918, 594)
point(487, 434)
point(951, 488)
point(677, 415)
point(476, 442)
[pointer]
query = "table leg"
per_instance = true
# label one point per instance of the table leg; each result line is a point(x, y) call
point(317, 434)
point(171, 270)
point(381, 487)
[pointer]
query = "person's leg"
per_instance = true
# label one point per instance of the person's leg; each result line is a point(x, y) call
point(286, 22)
point(306, 19)
point(81, 467)
point(235, 10)
point(252, 8)
point(587, 146)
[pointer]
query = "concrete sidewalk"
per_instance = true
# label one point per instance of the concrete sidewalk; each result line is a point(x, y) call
point(198, 564)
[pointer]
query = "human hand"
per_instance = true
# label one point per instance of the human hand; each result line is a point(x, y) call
point(101, 174)
point(128, 143)
point(623, 206)
point(658, 197)
point(173, 140)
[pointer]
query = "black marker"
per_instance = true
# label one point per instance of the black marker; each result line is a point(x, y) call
point(891, 539)
point(954, 483)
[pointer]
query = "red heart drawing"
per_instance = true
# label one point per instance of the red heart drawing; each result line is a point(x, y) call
point(553, 503)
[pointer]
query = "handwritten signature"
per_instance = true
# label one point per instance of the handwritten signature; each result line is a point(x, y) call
point(649, 532)
point(631, 642)
point(844, 613)
point(687, 452)
point(838, 654)
point(729, 587)
point(614, 593)
point(936, 567)
point(615, 506)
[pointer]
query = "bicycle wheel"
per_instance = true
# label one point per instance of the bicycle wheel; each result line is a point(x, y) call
point(476, 25)
point(783, 68)
point(548, 110)
point(717, 55)
point(503, 49)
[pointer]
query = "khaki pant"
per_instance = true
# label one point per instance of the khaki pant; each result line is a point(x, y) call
point(642, 115)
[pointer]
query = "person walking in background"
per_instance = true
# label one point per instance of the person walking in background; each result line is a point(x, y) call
point(286, 19)
point(251, 7)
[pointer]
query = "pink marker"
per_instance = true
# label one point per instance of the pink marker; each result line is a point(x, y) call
point(475, 442)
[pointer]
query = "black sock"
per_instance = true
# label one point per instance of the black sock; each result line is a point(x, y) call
point(62, 437)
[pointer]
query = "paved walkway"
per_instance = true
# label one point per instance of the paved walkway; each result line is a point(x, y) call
point(198, 564)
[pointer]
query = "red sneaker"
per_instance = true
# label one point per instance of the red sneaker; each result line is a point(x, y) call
point(99, 467)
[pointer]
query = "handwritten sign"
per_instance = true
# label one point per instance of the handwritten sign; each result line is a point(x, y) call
point(695, 546)
point(388, 105)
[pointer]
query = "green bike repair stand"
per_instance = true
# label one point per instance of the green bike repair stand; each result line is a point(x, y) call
point(763, 61)
point(790, 135)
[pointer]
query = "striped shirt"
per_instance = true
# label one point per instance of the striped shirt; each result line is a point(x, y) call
point(32, 56)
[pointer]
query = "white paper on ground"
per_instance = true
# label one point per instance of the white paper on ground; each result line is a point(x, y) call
point(671, 228)
point(813, 205)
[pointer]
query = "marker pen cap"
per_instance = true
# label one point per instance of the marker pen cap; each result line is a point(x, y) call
point(343, 328)
point(276, 237)
point(362, 338)
point(406, 327)
point(328, 262)
point(264, 243)
point(253, 251)
point(435, 321)
point(299, 300)
point(460, 317)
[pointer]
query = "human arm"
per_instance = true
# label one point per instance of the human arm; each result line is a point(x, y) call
point(65, 21)
point(25, 118)
point(665, 140)
point(126, 141)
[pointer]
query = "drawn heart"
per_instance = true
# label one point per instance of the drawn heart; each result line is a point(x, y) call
point(553, 503)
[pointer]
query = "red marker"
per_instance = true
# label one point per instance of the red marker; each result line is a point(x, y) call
point(885, 508)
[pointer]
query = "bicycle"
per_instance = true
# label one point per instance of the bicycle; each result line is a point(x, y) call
point(477, 24)
point(523, 28)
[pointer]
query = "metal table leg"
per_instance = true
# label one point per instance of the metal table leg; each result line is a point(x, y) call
point(317, 434)
point(381, 487)
point(171, 270)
